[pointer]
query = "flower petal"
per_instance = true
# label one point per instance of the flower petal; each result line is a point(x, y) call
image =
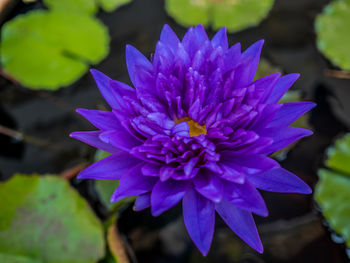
point(167, 194)
point(93, 138)
point(209, 185)
point(220, 39)
point(112, 167)
point(120, 139)
point(282, 137)
point(253, 52)
point(241, 222)
point(279, 180)
point(133, 183)
point(199, 218)
point(267, 84)
point(254, 161)
point(168, 37)
point(289, 112)
point(102, 82)
point(281, 87)
point(137, 65)
point(104, 120)
point(142, 202)
point(247, 197)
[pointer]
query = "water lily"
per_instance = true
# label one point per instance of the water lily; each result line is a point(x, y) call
point(195, 127)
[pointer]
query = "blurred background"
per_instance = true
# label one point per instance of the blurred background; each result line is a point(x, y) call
point(46, 49)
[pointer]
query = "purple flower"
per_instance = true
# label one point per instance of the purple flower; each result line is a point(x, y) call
point(196, 128)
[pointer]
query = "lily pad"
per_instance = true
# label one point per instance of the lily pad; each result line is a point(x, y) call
point(332, 28)
point(43, 219)
point(85, 6)
point(111, 5)
point(77, 6)
point(48, 50)
point(233, 14)
point(339, 156)
point(332, 193)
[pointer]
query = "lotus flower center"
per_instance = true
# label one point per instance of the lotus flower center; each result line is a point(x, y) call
point(195, 128)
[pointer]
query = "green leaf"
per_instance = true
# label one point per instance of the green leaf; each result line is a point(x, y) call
point(48, 50)
point(332, 193)
point(339, 155)
point(5, 258)
point(189, 13)
point(111, 5)
point(85, 6)
point(43, 219)
point(77, 6)
point(233, 14)
point(332, 28)
point(105, 189)
point(239, 14)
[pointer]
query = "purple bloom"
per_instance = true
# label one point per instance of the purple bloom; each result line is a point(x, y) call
point(196, 128)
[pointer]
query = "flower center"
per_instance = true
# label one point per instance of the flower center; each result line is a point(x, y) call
point(195, 128)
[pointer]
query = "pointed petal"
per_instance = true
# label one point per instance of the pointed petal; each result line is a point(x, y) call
point(267, 84)
point(119, 90)
point(102, 82)
point(247, 197)
point(201, 34)
point(253, 52)
point(209, 185)
point(220, 39)
point(281, 87)
point(142, 202)
point(199, 218)
point(92, 138)
point(279, 180)
point(120, 139)
point(168, 37)
point(232, 56)
point(242, 223)
point(112, 167)
point(254, 161)
point(289, 112)
point(282, 137)
point(137, 65)
point(167, 194)
point(191, 42)
point(104, 120)
point(133, 183)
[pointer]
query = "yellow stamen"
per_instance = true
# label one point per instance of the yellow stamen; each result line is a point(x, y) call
point(195, 128)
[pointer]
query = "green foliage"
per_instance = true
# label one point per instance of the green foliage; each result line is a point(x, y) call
point(111, 5)
point(77, 6)
point(43, 219)
point(85, 6)
point(332, 28)
point(47, 50)
point(332, 192)
point(52, 49)
point(234, 14)
point(339, 156)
